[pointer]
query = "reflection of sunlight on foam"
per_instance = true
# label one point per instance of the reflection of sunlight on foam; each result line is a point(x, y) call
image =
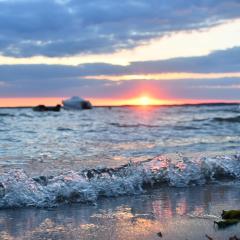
point(181, 208)
point(88, 226)
point(133, 178)
point(198, 211)
point(181, 165)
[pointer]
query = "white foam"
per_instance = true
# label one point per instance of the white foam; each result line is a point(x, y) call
point(20, 190)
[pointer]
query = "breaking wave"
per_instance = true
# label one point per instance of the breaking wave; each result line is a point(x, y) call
point(17, 189)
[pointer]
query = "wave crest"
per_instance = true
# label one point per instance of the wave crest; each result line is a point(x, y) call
point(17, 189)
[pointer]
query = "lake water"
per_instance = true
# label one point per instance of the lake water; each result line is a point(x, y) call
point(117, 156)
point(74, 140)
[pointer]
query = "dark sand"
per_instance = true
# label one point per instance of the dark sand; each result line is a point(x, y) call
point(178, 213)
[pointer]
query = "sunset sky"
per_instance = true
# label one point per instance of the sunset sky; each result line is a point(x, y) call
point(119, 52)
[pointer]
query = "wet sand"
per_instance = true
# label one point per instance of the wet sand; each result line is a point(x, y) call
point(178, 213)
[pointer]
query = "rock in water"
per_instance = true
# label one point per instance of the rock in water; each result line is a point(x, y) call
point(226, 223)
point(231, 214)
point(43, 108)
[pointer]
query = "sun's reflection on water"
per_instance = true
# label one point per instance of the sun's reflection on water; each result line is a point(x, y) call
point(176, 213)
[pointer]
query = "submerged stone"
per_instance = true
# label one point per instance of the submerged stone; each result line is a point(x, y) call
point(231, 214)
point(226, 223)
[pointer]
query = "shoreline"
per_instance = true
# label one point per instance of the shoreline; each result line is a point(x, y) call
point(176, 213)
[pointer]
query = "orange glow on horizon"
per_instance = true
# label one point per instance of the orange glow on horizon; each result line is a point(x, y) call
point(29, 102)
point(138, 101)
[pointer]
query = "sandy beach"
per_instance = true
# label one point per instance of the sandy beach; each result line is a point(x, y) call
point(176, 213)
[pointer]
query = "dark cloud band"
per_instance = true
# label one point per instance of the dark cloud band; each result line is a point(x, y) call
point(62, 80)
point(68, 27)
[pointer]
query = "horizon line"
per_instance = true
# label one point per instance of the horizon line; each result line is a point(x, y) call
point(213, 103)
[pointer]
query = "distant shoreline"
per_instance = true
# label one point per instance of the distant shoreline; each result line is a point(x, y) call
point(159, 105)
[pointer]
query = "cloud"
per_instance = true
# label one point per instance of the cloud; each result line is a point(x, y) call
point(216, 62)
point(62, 80)
point(222, 61)
point(68, 27)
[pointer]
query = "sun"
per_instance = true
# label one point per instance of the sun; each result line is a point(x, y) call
point(144, 101)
